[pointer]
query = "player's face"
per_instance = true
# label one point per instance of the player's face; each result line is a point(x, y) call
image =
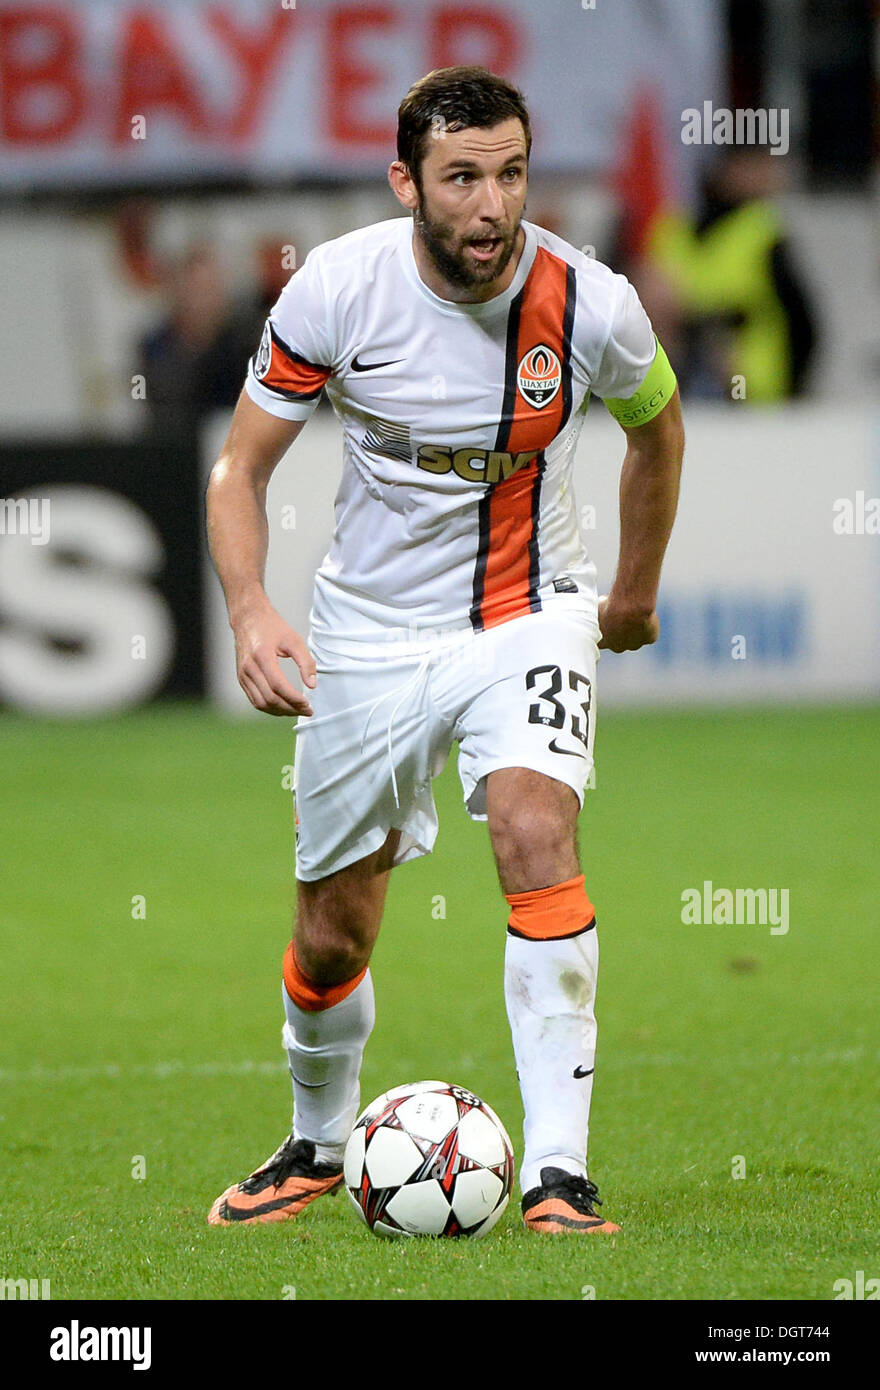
point(473, 191)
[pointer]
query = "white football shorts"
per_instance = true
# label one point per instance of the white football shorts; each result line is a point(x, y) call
point(521, 694)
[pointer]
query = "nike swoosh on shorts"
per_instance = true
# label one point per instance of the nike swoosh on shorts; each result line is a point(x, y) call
point(357, 366)
point(569, 752)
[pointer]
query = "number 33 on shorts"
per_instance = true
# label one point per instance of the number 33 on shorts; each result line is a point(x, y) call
point(572, 717)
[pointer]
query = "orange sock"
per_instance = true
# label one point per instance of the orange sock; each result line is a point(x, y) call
point(307, 995)
point(549, 914)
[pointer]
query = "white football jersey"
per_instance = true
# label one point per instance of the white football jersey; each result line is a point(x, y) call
point(459, 421)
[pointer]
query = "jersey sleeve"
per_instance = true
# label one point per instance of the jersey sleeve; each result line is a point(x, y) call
point(629, 348)
point(634, 377)
point(287, 373)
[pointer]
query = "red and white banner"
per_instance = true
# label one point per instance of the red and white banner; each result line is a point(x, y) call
point(107, 92)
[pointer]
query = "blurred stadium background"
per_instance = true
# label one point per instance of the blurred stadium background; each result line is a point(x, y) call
point(163, 169)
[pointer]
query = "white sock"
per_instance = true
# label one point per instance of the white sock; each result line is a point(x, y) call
point(324, 1050)
point(550, 991)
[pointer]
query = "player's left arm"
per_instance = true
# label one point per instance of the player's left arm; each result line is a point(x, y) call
point(649, 485)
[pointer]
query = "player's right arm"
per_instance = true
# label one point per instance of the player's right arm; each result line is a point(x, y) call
point(638, 386)
point(238, 534)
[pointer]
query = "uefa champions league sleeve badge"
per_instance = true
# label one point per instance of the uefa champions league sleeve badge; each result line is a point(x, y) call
point(264, 353)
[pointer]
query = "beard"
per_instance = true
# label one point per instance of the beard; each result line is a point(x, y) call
point(449, 253)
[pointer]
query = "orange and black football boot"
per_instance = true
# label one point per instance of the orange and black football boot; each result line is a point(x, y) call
point(565, 1202)
point(282, 1188)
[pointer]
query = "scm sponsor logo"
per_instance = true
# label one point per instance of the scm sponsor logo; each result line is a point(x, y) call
point(474, 465)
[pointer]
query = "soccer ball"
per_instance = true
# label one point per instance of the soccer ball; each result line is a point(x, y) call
point(429, 1159)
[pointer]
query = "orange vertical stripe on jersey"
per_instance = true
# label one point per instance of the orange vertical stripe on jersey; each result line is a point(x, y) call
point(541, 320)
point(507, 563)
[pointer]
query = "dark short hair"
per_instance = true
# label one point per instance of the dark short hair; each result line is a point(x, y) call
point(455, 99)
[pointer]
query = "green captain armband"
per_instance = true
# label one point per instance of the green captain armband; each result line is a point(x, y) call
point(654, 393)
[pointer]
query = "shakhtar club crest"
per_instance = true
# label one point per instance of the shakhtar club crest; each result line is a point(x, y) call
point(538, 376)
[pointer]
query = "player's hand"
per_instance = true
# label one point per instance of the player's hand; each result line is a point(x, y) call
point(623, 630)
point(261, 637)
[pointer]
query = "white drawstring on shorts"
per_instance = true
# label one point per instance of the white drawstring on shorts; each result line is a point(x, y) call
point(403, 691)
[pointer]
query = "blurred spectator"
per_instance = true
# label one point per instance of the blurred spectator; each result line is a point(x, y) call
point(196, 360)
point(184, 360)
point(723, 289)
point(244, 327)
point(134, 233)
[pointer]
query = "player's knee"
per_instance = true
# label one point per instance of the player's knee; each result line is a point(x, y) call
point(330, 957)
point(528, 831)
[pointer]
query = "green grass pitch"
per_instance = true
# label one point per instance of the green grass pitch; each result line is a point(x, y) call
point(154, 1041)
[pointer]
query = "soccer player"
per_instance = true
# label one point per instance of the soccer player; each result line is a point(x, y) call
point(459, 349)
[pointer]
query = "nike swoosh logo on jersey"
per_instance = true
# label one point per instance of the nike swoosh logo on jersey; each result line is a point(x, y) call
point(580, 1072)
point(569, 752)
point(357, 366)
